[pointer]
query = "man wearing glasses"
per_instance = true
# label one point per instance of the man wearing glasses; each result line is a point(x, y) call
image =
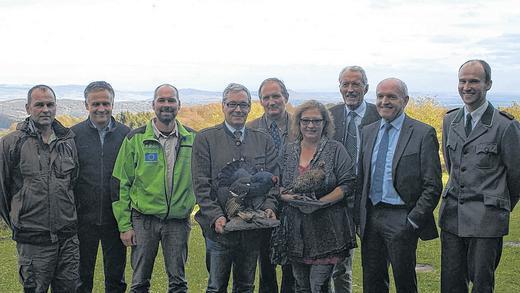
point(213, 148)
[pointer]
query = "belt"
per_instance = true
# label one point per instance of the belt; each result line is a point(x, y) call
point(384, 205)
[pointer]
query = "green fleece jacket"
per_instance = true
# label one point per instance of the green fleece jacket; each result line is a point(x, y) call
point(140, 177)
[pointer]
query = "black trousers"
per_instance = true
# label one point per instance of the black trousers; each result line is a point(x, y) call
point(388, 239)
point(469, 259)
point(268, 282)
point(114, 257)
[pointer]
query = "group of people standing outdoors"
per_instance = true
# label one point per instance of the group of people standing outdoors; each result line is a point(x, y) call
point(63, 191)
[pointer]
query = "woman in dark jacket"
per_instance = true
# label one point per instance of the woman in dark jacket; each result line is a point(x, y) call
point(317, 234)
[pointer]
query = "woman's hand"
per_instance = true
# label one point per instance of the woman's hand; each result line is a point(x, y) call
point(335, 195)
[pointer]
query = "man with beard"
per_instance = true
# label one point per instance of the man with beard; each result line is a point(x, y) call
point(349, 119)
point(276, 121)
point(98, 139)
point(38, 168)
point(482, 155)
point(213, 148)
point(152, 176)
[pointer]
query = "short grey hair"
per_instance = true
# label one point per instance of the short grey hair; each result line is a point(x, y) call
point(402, 86)
point(96, 86)
point(354, 68)
point(280, 83)
point(235, 87)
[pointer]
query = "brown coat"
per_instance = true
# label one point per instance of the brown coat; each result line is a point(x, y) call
point(484, 182)
point(212, 149)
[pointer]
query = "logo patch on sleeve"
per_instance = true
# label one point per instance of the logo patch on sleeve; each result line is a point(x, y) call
point(151, 157)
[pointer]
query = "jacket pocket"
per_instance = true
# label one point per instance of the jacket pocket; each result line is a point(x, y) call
point(486, 155)
point(498, 202)
point(26, 273)
point(260, 163)
point(64, 166)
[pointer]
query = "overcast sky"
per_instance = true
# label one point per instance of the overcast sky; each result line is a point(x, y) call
point(206, 44)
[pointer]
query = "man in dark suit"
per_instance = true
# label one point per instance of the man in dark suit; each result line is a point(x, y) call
point(480, 145)
point(349, 119)
point(400, 178)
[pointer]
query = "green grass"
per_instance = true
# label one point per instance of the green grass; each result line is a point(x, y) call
point(428, 252)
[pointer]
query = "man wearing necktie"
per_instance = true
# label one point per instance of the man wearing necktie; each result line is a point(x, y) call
point(482, 155)
point(349, 119)
point(399, 180)
point(213, 149)
point(275, 121)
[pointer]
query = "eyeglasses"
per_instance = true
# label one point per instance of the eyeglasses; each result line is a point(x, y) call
point(234, 105)
point(316, 122)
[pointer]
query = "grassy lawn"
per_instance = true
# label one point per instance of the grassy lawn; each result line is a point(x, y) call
point(428, 253)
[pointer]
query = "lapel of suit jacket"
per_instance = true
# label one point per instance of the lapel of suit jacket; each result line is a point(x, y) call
point(371, 138)
point(457, 125)
point(482, 125)
point(341, 128)
point(402, 142)
point(370, 116)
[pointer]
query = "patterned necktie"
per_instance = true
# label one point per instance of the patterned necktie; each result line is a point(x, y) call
point(469, 125)
point(379, 172)
point(351, 140)
point(275, 134)
point(238, 137)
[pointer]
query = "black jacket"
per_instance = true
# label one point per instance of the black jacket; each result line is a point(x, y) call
point(96, 163)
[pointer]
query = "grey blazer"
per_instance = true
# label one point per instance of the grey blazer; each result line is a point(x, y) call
point(416, 174)
point(339, 117)
point(484, 183)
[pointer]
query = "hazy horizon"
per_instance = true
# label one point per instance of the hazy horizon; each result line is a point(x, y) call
point(136, 45)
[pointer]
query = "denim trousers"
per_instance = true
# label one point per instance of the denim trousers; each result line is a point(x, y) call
point(173, 234)
point(312, 278)
point(240, 256)
point(55, 265)
point(342, 275)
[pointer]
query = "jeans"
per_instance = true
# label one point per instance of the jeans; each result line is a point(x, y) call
point(173, 234)
point(312, 278)
point(55, 265)
point(241, 256)
point(114, 257)
point(342, 275)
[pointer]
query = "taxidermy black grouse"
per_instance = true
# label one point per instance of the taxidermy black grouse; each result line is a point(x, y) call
point(242, 187)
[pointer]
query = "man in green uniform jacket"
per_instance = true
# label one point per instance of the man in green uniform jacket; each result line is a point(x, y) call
point(153, 178)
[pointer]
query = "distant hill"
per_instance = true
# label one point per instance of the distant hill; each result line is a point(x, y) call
point(70, 99)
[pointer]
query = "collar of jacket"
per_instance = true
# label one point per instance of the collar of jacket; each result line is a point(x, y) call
point(60, 131)
point(112, 126)
point(486, 119)
point(149, 134)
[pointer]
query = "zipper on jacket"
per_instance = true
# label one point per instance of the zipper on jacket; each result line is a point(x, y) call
point(169, 198)
point(101, 194)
